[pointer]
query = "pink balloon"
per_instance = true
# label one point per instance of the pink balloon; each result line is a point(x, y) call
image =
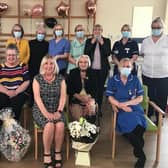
point(37, 10)
point(91, 7)
point(3, 8)
point(62, 9)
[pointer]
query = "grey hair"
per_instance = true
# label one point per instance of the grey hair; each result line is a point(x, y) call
point(83, 56)
point(158, 20)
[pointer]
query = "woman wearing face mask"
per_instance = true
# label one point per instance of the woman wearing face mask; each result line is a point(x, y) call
point(154, 67)
point(77, 47)
point(59, 47)
point(124, 91)
point(38, 49)
point(22, 44)
point(125, 48)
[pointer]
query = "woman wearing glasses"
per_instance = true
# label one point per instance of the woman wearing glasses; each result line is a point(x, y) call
point(14, 80)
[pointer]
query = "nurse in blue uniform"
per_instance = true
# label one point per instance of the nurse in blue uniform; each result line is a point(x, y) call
point(124, 90)
point(125, 48)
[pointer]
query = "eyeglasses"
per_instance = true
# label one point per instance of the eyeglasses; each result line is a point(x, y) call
point(156, 27)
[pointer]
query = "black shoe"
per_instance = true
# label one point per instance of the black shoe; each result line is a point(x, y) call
point(140, 162)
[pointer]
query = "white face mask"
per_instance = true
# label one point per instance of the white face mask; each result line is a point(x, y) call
point(17, 34)
point(125, 71)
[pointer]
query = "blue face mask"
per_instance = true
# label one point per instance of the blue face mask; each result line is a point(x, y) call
point(126, 34)
point(125, 71)
point(17, 34)
point(40, 37)
point(156, 32)
point(58, 32)
point(80, 34)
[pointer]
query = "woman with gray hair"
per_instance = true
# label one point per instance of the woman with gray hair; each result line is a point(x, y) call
point(81, 90)
point(50, 95)
point(154, 67)
point(14, 80)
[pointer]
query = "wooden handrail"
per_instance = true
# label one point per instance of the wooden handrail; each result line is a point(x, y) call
point(156, 107)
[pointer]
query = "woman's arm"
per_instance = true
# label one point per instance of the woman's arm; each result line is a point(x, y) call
point(3, 89)
point(22, 87)
point(71, 59)
point(63, 56)
point(135, 101)
point(62, 99)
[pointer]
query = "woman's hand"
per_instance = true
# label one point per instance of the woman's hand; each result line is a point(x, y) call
point(124, 107)
point(11, 93)
point(57, 115)
point(49, 116)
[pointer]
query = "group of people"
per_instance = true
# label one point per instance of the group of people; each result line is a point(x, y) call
point(80, 68)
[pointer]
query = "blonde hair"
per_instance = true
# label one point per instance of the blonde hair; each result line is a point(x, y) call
point(44, 60)
point(83, 56)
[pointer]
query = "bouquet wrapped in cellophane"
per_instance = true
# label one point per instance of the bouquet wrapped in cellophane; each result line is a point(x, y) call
point(83, 134)
point(14, 140)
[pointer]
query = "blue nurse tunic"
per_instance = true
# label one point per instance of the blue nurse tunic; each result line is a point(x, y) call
point(127, 121)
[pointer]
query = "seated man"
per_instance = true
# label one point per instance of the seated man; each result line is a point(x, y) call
point(125, 92)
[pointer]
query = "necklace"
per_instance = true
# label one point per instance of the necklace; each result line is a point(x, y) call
point(49, 78)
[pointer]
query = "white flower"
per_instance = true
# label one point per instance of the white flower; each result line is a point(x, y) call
point(82, 128)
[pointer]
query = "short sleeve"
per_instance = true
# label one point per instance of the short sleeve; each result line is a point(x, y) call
point(110, 91)
point(67, 47)
point(25, 73)
point(135, 49)
point(115, 50)
point(140, 91)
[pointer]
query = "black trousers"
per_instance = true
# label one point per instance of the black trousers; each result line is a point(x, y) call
point(16, 103)
point(157, 92)
point(99, 78)
point(136, 140)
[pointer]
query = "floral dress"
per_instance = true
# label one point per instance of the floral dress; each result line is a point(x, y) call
point(50, 94)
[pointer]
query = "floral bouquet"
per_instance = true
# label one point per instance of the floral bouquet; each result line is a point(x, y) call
point(83, 134)
point(14, 140)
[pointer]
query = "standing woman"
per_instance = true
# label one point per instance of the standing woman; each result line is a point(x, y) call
point(59, 48)
point(77, 47)
point(22, 44)
point(155, 68)
point(50, 95)
point(14, 80)
point(125, 48)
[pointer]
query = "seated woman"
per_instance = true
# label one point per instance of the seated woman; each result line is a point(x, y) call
point(14, 80)
point(126, 93)
point(81, 91)
point(50, 95)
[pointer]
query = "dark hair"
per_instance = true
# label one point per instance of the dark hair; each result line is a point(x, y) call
point(12, 46)
point(21, 28)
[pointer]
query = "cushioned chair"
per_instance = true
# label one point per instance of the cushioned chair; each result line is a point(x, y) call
point(151, 127)
point(38, 130)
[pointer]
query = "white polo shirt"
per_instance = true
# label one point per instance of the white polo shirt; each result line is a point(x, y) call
point(155, 63)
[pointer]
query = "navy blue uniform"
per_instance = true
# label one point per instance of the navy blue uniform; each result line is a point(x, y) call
point(127, 50)
point(127, 121)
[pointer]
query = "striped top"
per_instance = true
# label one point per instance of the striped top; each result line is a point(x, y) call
point(13, 77)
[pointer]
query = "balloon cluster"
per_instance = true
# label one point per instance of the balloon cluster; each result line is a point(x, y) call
point(91, 7)
point(62, 9)
point(3, 8)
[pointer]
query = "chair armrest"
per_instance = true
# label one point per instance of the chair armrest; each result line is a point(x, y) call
point(157, 108)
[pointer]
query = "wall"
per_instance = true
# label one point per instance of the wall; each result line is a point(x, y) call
point(113, 14)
